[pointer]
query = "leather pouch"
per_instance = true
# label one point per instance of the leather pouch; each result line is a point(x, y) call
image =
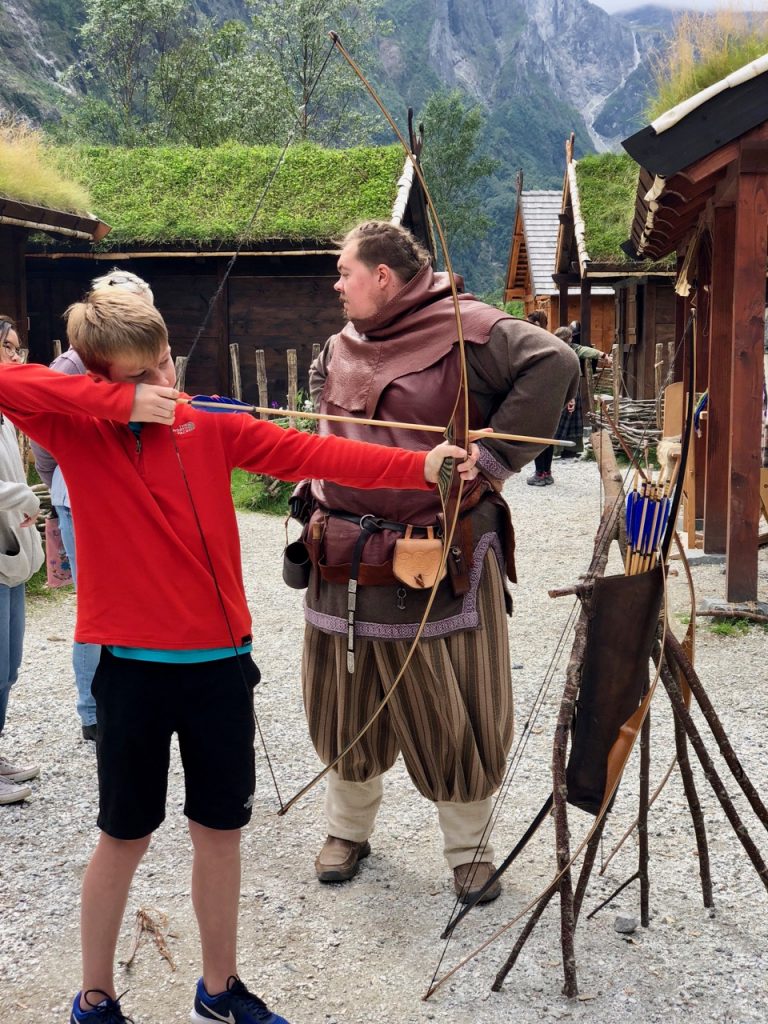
point(416, 561)
point(296, 565)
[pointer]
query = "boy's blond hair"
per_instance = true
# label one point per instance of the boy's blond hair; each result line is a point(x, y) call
point(114, 322)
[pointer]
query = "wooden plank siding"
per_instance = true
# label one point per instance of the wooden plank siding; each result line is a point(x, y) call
point(275, 303)
point(13, 298)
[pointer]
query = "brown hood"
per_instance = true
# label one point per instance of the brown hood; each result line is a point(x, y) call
point(414, 330)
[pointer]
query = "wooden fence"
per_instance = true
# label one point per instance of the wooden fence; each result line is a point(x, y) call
point(261, 376)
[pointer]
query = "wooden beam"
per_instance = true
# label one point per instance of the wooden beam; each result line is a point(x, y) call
point(585, 312)
point(751, 250)
point(719, 406)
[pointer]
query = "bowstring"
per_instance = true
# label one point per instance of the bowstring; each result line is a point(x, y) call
point(244, 236)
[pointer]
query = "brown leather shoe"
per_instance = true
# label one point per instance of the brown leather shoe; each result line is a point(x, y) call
point(469, 879)
point(339, 859)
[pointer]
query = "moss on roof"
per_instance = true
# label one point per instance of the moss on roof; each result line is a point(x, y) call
point(607, 186)
point(178, 195)
point(26, 174)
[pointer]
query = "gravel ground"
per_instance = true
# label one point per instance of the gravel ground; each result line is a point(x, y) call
point(363, 953)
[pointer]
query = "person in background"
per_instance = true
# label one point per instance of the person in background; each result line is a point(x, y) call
point(85, 657)
point(539, 318)
point(574, 427)
point(21, 555)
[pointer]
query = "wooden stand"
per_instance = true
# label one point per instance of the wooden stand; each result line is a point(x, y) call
point(677, 675)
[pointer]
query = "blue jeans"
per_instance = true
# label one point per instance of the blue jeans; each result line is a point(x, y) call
point(85, 657)
point(11, 641)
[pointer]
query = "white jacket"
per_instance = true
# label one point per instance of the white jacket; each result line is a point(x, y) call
point(21, 551)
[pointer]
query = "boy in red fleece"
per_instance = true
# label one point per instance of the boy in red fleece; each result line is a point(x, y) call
point(167, 605)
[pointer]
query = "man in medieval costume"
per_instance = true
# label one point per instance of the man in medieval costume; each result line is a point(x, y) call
point(397, 358)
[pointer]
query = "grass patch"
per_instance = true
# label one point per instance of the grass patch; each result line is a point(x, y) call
point(254, 492)
point(704, 49)
point(27, 173)
point(182, 194)
point(731, 627)
point(607, 192)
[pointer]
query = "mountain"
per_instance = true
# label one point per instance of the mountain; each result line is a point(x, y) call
point(538, 68)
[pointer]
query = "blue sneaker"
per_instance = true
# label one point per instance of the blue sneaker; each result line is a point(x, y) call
point(235, 1006)
point(105, 1011)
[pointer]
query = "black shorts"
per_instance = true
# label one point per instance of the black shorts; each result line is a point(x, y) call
point(139, 705)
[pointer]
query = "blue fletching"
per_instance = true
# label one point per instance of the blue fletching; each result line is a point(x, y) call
point(221, 404)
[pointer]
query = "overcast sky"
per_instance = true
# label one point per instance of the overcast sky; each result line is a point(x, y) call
point(698, 5)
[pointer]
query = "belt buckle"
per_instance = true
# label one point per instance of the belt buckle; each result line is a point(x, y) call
point(373, 524)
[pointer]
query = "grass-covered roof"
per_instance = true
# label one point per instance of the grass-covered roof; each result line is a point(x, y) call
point(607, 186)
point(179, 195)
point(27, 176)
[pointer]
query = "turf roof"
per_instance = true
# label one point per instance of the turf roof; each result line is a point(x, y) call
point(26, 174)
point(607, 191)
point(177, 195)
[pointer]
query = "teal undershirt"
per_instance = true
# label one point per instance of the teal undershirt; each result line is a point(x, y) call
point(193, 656)
point(190, 657)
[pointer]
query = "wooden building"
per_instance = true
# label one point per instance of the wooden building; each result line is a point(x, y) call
point(182, 215)
point(702, 196)
point(19, 219)
point(531, 265)
point(596, 210)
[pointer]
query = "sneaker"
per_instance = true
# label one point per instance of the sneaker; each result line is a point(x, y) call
point(17, 773)
point(106, 1011)
point(339, 859)
point(235, 1006)
point(12, 792)
point(540, 480)
point(89, 732)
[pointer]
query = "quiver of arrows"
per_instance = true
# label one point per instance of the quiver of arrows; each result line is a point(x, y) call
point(623, 615)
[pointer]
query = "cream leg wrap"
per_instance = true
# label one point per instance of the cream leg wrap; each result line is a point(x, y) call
point(462, 826)
point(351, 807)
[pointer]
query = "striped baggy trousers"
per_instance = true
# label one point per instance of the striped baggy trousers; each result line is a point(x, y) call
point(451, 715)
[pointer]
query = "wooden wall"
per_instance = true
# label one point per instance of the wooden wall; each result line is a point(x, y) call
point(13, 296)
point(274, 303)
point(603, 316)
point(645, 317)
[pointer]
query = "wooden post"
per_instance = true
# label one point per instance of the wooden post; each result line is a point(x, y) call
point(261, 380)
point(719, 405)
point(616, 383)
point(585, 311)
point(181, 372)
point(563, 305)
point(234, 364)
point(293, 378)
point(746, 373)
point(658, 366)
point(219, 327)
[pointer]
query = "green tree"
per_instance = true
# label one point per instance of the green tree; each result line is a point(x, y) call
point(454, 168)
point(153, 72)
point(291, 38)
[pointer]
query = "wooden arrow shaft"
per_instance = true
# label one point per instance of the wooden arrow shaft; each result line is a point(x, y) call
point(474, 435)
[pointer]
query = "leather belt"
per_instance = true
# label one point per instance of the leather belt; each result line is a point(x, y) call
point(369, 524)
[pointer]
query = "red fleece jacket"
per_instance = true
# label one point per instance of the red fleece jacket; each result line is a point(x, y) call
point(143, 574)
